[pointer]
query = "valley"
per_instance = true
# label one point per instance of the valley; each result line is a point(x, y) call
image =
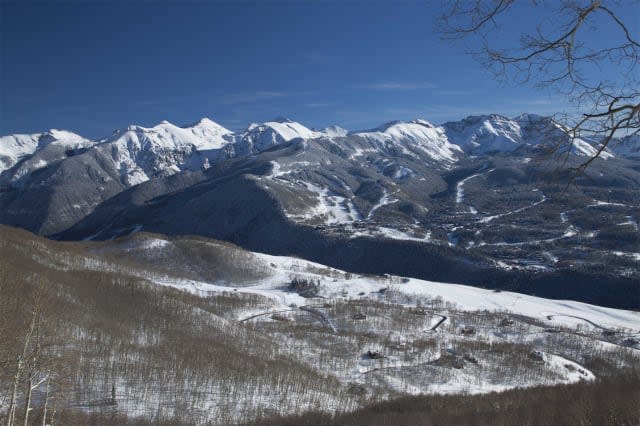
point(476, 193)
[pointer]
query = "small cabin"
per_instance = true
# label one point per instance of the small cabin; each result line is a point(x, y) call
point(279, 317)
point(470, 358)
point(506, 322)
point(537, 356)
point(468, 331)
point(374, 355)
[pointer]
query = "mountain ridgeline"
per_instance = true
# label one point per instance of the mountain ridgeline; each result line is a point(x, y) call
point(487, 201)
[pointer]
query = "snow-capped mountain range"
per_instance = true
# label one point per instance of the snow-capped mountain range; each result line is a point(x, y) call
point(141, 153)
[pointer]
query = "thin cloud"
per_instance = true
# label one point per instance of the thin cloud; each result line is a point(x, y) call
point(396, 85)
point(163, 101)
point(248, 98)
point(454, 92)
point(544, 101)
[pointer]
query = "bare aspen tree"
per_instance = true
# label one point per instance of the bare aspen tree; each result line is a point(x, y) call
point(53, 412)
point(21, 364)
point(33, 374)
point(46, 399)
point(33, 384)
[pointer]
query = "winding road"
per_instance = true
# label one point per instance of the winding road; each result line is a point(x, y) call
point(311, 309)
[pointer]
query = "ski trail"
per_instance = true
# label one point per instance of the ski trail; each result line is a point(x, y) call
point(490, 218)
point(384, 200)
point(460, 188)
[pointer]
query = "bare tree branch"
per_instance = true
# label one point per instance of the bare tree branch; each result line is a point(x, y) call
point(559, 56)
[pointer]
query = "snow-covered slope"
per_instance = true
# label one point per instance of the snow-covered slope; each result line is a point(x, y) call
point(141, 153)
point(211, 135)
point(14, 148)
point(138, 153)
point(481, 134)
point(205, 134)
point(259, 137)
point(484, 134)
point(334, 131)
point(416, 134)
point(567, 313)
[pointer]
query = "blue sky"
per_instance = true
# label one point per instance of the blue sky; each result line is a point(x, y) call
point(95, 66)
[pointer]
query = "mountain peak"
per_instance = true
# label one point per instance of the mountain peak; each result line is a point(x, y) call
point(335, 131)
point(422, 122)
point(478, 134)
point(13, 148)
point(53, 135)
point(282, 119)
point(206, 124)
point(204, 121)
point(383, 127)
point(399, 123)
